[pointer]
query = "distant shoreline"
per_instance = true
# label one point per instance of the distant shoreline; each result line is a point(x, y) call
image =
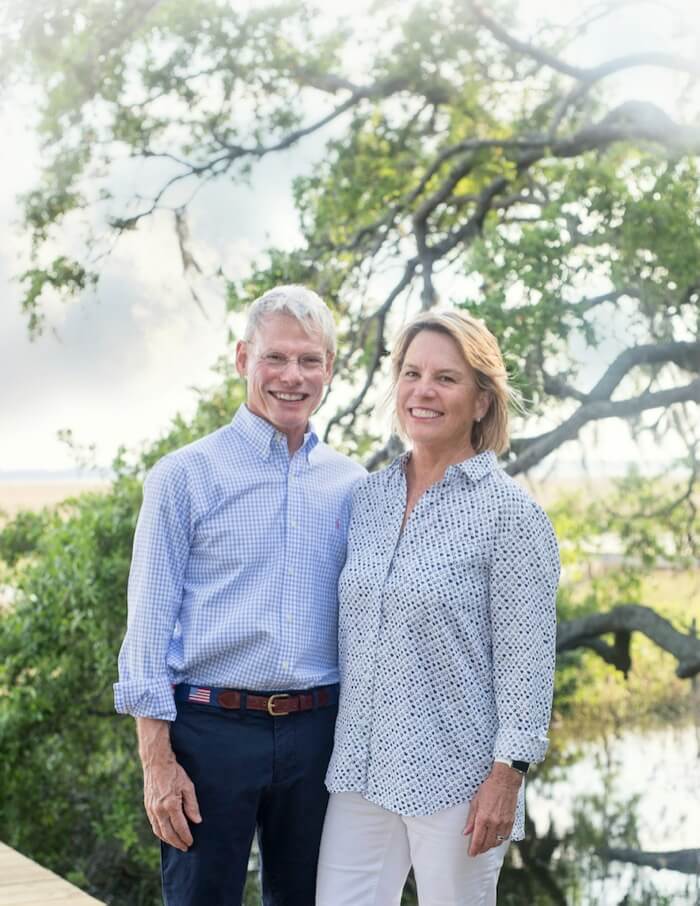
point(49, 476)
point(35, 495)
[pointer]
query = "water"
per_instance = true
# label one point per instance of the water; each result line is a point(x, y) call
point(657, 774)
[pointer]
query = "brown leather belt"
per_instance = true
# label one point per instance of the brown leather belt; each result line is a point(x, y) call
point(279, 704)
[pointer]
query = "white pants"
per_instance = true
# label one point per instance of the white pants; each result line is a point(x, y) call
point(367, 851)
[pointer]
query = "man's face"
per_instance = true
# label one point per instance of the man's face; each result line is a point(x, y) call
point(286, 368)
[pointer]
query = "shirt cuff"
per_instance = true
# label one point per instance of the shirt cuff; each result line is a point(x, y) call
point(146, 699)
point(514, 744)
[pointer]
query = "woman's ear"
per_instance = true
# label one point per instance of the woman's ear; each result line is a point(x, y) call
point(483, 403)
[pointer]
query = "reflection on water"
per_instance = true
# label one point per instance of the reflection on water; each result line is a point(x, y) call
point(649, 782)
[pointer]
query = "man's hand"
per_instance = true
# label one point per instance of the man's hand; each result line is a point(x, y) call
point(492, 810)
point(168, 793)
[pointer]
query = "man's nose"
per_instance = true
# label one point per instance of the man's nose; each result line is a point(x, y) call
point(292, 371)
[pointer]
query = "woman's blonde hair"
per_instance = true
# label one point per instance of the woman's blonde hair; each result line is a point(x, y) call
point(481, 352)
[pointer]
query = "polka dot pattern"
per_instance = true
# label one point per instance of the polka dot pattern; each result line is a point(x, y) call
point(446, 637)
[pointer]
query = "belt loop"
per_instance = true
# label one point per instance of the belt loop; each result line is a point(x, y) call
point(314, 696)
point(244, 701)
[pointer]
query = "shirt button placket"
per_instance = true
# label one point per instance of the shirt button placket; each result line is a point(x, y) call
point(375, 692)
point(292, 554)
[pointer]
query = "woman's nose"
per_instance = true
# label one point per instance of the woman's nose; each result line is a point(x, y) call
point(425, 387)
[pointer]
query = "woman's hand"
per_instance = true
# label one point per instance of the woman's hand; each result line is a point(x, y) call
point(492, 810)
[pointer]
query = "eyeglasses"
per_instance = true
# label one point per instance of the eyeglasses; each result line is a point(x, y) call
point(308, 364)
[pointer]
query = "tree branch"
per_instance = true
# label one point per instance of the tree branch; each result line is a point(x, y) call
point(685, 355)
point(557, 386)
point(380, 316)
point(623, 620)
point(617, 655)
point(391, 449)
point(325, 81)
point(584, 305)
point(591, 74)
point(471, 227)
point(535, 450)
point(686, 861)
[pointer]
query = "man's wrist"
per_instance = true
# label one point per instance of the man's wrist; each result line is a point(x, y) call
point(154, 742)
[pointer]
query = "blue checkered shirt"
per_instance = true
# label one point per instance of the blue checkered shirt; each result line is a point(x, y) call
point(236, 560)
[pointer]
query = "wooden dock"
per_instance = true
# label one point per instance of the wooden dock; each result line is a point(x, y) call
point(24, 883)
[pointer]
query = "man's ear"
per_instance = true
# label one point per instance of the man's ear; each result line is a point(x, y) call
point(330, 361)
point(242, 358)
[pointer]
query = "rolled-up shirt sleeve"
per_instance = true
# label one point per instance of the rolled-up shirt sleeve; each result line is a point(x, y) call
point(161, 550)
point(523, 585)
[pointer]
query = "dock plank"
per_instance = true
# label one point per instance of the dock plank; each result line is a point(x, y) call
point(24, 883)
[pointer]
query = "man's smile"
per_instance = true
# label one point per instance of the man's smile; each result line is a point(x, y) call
point(288, 397)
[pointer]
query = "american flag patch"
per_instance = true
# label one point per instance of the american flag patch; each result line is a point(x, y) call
point(199, 694)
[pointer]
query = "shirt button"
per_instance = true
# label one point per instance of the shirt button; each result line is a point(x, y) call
point(289, 619)
point(285, 665)
point(294, 523)
point(290, 571)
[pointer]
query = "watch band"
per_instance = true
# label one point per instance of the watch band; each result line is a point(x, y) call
point(520, 766)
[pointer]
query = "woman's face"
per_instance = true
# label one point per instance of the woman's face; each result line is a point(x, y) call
point(437, 398)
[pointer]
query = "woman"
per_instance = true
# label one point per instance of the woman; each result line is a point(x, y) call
point(447, 639)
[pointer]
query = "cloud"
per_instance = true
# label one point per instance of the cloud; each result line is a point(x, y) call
point(123, 360)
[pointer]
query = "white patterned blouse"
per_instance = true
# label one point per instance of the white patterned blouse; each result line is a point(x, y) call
point(446, 635)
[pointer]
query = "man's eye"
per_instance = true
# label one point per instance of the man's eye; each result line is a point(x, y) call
point(311, 361)
point(274, 358)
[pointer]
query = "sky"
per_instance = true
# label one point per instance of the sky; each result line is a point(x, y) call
point(117, 368)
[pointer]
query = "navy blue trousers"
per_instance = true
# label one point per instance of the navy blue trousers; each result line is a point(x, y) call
point(250, 772)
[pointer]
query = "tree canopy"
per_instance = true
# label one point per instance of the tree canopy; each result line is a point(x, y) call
point(466, 162)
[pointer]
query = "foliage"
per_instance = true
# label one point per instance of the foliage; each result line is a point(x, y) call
point(21, 536)
point(70, 781)
point(63, 747)
point(634, 543)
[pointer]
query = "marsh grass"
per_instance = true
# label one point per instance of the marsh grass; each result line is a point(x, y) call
point(16, 496)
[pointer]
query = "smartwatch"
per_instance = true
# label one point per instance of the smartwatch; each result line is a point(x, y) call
point(520, 766)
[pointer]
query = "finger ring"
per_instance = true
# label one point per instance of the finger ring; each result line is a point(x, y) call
point(501, 837)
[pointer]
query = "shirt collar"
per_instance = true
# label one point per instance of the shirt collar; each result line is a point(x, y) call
point(474, 469)
point(261, 435)
point(477, 467)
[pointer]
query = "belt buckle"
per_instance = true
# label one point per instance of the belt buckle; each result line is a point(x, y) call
point(271, 705)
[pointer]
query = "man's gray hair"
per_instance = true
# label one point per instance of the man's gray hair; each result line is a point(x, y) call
point(298, 302)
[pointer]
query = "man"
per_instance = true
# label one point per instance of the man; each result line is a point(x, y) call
point(229, 663)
